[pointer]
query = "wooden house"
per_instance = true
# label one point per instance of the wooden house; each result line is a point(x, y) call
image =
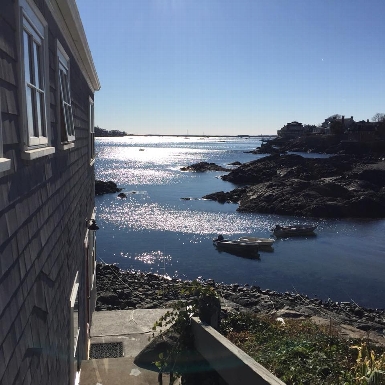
point(47, 243)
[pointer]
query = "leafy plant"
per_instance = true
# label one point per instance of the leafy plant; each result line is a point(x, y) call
point(200, 300)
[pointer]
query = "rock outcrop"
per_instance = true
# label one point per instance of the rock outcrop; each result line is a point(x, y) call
point(204, 166)
point(233, 196)
point(336, 187)
point(109, 187)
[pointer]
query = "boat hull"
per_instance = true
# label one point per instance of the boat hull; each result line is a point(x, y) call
point(243, 249)
point(262, 242)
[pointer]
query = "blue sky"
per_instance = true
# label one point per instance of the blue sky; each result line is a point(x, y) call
point(234, 66)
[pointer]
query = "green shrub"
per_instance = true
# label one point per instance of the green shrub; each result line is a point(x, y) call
point(300, 352)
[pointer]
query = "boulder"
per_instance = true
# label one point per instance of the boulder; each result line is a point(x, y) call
point(108, 298)
point(288, 313)
point(233, 196)
point(108, 187)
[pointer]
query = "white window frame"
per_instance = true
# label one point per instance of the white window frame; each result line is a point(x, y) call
point(66, 120)
point(5, 164)
point(91, 119)
point(74, 336)
point(90, 256)
point(35, 114)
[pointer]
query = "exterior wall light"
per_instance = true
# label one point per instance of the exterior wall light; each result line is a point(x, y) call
point(93, 226)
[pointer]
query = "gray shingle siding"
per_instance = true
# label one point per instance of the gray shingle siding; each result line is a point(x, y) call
point(43, 206)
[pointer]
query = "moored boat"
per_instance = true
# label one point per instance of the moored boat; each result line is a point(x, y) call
point(235, 246)
point(293, 230)
point(262, 242)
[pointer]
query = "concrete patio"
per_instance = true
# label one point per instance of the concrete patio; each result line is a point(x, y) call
point(133, 328)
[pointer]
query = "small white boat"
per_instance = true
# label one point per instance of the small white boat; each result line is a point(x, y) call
point(263, 242)
point(235, 246)
point(293, 230)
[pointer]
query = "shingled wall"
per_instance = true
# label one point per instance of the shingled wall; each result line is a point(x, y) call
point(43, 206)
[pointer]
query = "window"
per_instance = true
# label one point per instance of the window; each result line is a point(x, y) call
point(5, 164)
point(33, 55)
point(92, 129)
point(67, 129)
point(90, 255)
point(91, 258)
point(34, 61)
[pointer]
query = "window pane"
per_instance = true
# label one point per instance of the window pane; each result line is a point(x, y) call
point(65, 99)
point(27, 61)
point(37, 65)
point(35, 128)
point(61, 81)
point(39, 125)
point(64, 116)
point(70, 121)
point(43, 129)
point(76, 328)
point(63, 132)
point(71, 128)
point(92, 128)
point(67, 118)
point(65, 88)
point(68, 90)
point(29, 110)
point(76, 318)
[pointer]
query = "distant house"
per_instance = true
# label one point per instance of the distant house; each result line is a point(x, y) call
point(47, 248)
point(292, 130)
point(363, 131)
point(347, 123)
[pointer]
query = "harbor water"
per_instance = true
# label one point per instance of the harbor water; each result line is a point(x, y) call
point(164, 226)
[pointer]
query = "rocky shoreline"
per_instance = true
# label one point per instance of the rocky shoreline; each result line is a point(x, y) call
point(119, 289)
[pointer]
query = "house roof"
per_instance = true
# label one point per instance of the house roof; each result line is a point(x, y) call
point(67, 16)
